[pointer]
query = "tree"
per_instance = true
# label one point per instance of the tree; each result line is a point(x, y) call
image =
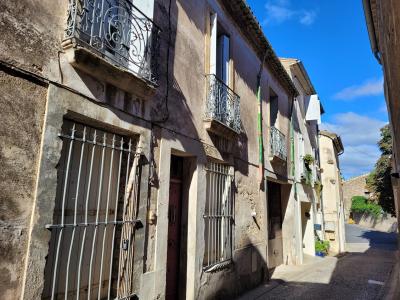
point(379, 181)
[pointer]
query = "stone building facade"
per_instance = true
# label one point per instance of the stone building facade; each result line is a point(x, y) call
point(332, 194)
point(355, 186)
point(306, 198)
point(382, 19)
point(131, 159)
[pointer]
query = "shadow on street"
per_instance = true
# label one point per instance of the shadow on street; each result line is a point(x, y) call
point(356, 274)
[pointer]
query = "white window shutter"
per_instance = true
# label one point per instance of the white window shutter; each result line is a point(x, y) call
point(213, 44)
point(314, 109)
point(299, 156)
point(145, 6)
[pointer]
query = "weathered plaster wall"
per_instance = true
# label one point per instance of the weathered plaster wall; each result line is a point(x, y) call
point(331, 194)
point(387, 29)
point(306, 141)
point(61, 104)
point(31, 35)
point(188, 82)
point(388, 18)
point(29, 42)
point(20, 131)
point(31, 32)
point(186, 103)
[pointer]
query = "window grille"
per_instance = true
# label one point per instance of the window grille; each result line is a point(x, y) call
point(223, 105)
point(218, 216)
point(118, 30)
point(93, 230)
point(277, 143)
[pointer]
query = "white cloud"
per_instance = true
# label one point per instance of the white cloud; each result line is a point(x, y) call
point(357, 160)
point(279, 11)
point(308, 17)
point(360, 135)
point(355, 129)
point(371, 87)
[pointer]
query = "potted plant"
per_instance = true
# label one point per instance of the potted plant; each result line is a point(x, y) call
point(321, 248)
point(308, 160)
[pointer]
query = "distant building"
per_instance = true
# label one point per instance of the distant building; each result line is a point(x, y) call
point(332, 195)
point(306, 118)
point(355, 186)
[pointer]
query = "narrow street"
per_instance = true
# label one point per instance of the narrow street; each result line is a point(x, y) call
point(360, 273)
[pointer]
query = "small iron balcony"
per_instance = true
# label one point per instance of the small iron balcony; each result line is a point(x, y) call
point(223, 105)
point(116, 30)
point(277, 144)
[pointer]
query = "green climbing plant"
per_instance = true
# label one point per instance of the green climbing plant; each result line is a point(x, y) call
point(308, 160)
point(318, 188)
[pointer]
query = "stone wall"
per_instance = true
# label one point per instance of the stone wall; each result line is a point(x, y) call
point(20, 130)
point(384, 222)
point(354, 187)
point(32, 43)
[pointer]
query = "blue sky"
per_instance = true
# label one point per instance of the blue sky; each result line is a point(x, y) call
point(331, 39)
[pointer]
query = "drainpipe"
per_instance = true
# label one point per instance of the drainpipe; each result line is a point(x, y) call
point(297, 209)
point(321, 199)
point(371, 30)
point(259, 124)
point(261, 146)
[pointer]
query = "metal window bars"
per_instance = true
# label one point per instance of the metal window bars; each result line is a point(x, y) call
point(95, 216)
point(223, 104)
point(277, 144)
point(118, 30)
point(218, 215)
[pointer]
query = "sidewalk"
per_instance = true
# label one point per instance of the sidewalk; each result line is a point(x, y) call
point(368, 271)
point(314, 269)
point(360, 275)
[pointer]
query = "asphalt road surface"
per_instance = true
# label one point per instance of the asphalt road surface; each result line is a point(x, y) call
point(357, 234)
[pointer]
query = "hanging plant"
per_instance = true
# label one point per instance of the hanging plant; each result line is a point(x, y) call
point(306, 177)
point(308, 160)
point(318, 188)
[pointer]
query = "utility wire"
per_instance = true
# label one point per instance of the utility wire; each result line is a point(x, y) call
point(43, 81)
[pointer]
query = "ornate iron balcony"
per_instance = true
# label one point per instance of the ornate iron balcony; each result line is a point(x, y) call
point(117, 30)
point(223, 105)
point(277, 143)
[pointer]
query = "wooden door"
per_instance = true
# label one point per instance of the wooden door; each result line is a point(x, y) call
point(275, 243)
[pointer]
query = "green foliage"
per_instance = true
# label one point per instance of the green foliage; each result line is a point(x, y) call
point(379, 181)
point(385, 143)
point(321, 246)
point(318, 188)
point(308, 178)
point(360, 204)
point(308, 159)
point(370, 181)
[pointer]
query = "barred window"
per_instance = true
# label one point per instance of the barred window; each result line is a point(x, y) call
point(93, 231)
point(218, 216)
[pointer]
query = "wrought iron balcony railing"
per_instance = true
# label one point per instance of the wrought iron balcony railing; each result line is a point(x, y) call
point(117, 30)
point(223, 105)
point(277, 143)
